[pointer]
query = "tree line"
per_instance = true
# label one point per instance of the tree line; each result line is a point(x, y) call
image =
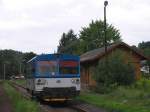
point(13, 62)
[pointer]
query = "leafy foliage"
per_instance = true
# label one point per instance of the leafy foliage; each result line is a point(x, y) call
point(145, 47)
point(90, 37)
point(67, 43)
point(27, 56)
point(13, 61)
point(113, 70)
point(93, 36)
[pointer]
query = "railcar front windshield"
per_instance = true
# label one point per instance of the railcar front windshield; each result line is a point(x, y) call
point(69, 67)
point(47, 67)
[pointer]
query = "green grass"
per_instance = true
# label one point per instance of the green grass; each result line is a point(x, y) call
point(135, 98)
point(21, 81)
point(19, 103)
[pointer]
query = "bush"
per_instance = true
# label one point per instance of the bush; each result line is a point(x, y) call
point(114, 70)
point(102, 88)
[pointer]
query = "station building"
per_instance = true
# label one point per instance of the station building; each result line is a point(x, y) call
point(90, 59)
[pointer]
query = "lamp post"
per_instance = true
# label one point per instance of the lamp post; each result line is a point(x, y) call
point(105, 37)
point(105, 25)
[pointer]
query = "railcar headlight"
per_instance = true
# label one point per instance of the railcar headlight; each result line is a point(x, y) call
point(41, 82)
point(75, 81)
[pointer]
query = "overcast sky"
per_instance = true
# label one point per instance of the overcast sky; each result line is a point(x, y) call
point(37, 25)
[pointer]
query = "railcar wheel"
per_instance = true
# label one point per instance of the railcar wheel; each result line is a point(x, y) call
point(33, 95)
point(27, 90)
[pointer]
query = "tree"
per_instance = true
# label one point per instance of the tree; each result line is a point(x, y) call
point(27, 56)
point(118, 71)
point(62, 44)
point(13, 61)
point(145, 47)
point(67, 43)
point(92, 37)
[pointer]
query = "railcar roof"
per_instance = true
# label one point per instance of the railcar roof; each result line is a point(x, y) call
point(53, 56)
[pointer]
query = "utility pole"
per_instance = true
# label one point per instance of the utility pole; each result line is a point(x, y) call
point(20, 68)
point(4, 70)
point(105, 25)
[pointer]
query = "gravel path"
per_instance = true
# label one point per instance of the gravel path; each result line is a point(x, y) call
point(5, 103)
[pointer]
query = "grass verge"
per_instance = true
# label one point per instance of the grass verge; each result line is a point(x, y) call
point(19, 103)
point(135, 98)
point(21, 81)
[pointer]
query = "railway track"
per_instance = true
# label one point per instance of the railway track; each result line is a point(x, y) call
point(48, 107)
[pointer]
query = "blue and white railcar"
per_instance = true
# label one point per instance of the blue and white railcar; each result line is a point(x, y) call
point(54, 76)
